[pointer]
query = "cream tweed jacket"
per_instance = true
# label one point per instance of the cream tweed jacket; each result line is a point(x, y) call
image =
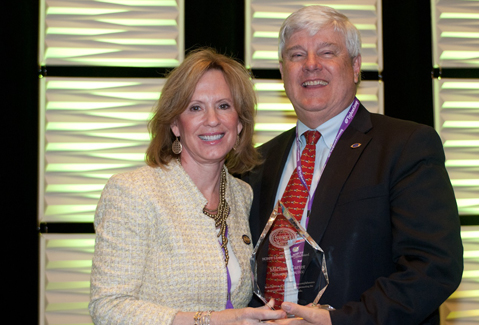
point(156, 253)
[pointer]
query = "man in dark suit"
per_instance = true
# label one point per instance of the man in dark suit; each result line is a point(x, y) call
point(383, 209)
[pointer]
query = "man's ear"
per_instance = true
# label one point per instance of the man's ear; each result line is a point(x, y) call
point(357, 68)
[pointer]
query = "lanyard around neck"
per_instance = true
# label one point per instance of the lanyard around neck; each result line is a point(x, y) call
point(344, 125)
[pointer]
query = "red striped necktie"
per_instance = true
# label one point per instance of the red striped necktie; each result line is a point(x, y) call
point(294, 198)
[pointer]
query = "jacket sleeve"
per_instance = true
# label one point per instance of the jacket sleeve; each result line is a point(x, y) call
point(123, 228)
point(426, 244)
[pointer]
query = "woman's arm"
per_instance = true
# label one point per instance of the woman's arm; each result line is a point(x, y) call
point(122, 241)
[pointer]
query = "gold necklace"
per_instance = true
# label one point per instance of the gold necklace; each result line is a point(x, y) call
point(221, 215)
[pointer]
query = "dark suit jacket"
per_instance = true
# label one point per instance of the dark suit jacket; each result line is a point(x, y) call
point(386, 217)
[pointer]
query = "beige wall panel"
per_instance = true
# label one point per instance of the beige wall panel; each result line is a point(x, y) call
point(455, 28)
point(456, 111)
point(146, 33)
point(264, 18)
point(65, 267)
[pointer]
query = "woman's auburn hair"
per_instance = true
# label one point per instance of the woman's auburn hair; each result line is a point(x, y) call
point(176, 95)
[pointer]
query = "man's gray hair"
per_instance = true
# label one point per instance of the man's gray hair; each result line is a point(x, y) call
point(313, 19)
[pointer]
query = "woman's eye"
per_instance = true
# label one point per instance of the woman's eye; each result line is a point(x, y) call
point(224, 106)
point(194, 108)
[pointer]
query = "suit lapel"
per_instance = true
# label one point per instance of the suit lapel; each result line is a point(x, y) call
point(273, 168)
point(336, 173)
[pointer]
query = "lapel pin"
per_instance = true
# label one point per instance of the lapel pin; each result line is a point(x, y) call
point(355, 145)
point(246, 240)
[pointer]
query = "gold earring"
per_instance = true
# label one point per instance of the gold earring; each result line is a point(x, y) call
point(176, 147)
point(237, 142)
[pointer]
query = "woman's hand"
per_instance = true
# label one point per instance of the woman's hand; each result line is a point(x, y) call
point(247, 315)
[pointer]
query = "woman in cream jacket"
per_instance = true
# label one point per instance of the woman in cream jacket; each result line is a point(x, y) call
point(173, 242)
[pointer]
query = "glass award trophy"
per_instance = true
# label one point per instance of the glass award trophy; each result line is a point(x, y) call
point(302, 267)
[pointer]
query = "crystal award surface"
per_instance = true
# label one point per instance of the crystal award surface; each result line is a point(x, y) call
point(301, 269)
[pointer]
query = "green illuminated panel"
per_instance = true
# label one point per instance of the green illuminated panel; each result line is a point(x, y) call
point(96, 128)
point(140, 22)
point(461, 124)
point(131, 95)
point(74, 188)
point(460, 85)
point(456, 112)
point(273, 126)
point(127, 62)
point(93, 128)
point(81, 11)
point(121, 136)
point(459, 15)
point(465, 182)
point(80, 31)
point(138, 41)
point(85, 146)
point(462, 163)
point(265, 86)
point(140, 157)
point(65, 267)
point(264, 18)
point(83, 167)
point(460, 34)
point(459, 55)
point(111, 33)
point(83, 105)
point(146, 3)
point(53, 52)
point(455, 34)
point(145, 117)
point(461, 307)
point(66, 126)
point(275, 107)
point(87, 84)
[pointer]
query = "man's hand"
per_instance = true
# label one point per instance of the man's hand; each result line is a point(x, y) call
point(304, 315)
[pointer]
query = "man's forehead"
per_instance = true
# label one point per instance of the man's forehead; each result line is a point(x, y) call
point(293, 44)
point(333, 36)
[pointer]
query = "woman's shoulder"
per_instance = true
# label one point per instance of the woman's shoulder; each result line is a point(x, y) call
point(144, 174)
point(137, 174)
point(240, 186)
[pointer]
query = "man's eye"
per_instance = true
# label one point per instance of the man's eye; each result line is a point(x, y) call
point(327, 52)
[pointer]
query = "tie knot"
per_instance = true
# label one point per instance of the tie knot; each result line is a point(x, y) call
point(312, 136)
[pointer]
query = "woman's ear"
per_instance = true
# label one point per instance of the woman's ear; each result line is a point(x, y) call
point(239, 127)
point(174, 128)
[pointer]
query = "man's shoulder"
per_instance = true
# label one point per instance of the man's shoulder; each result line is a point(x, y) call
point(390, 124)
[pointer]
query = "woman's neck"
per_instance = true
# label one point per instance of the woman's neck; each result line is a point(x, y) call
point(207, 178)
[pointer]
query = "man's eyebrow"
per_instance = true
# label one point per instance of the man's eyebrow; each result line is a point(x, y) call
point(295, 47)
point(319, 45)
point(327, 44)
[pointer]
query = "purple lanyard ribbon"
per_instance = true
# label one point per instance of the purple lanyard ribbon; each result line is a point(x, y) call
point(344, 125)
point(229, 304)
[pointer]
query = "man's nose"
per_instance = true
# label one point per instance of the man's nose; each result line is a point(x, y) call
point(312, 63)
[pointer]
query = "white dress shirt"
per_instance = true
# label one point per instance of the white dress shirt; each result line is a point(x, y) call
point(328, 131)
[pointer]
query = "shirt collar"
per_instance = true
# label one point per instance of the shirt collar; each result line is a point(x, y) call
point(328, 129)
